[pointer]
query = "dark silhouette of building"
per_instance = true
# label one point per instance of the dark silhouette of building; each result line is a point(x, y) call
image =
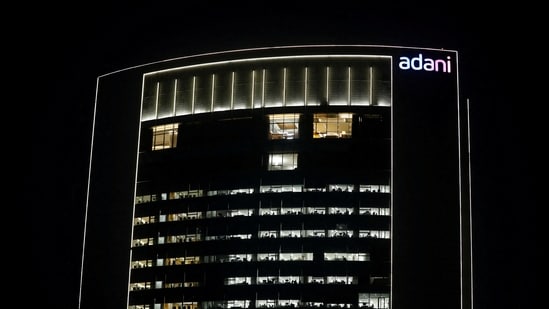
point(294, 176)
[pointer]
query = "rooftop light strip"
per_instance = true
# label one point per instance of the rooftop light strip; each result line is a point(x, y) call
point(263, 88)
point(253, 89)
point(212, 93)
point(327, 84)
point(305, 86)
point(371, 86)
point(284, 87)
point(193, 95)
point(257, 49)
point(232, 90)
point(348, 85)
point(157, 94)
point(235, 61)
point(174, 96)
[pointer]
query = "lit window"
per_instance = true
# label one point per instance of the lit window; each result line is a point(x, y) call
point(165, 136)
point(373, 300)
point(284, 126)
point(334, 125)
point(238, 280)
point(282, 161)
point(140, 286)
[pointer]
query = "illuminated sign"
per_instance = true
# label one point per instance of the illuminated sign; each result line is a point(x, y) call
point(420, 63)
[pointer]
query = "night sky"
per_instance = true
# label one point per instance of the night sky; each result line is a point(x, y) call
point(80, 43)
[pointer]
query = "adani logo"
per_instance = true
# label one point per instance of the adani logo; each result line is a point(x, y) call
point(419, 63)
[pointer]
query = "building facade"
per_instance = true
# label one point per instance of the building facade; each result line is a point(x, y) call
point(282, 177)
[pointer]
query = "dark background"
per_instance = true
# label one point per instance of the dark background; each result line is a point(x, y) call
point(75, 44)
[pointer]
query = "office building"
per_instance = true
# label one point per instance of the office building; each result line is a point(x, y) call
point(280, 177)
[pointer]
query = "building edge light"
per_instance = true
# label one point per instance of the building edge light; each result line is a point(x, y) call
point(391, 187)
point(460, 208)
point(470, 206)
point(267, 58)
point(460, 200)
point(88, 193)
point(469, 270)
point(233, 51)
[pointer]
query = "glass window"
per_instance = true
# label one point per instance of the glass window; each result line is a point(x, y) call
point(375, 188)
point(332, 125)
point(238, 280)
point(165, 136)
point(290, 233)
point(315, 233)
point(283, 126)
point(280, 188)
point(267, 256)
point(282, 161)
point(237, 304)
point(266, 303)
point(373, 300)
point(299, 256)
point(140, 286)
